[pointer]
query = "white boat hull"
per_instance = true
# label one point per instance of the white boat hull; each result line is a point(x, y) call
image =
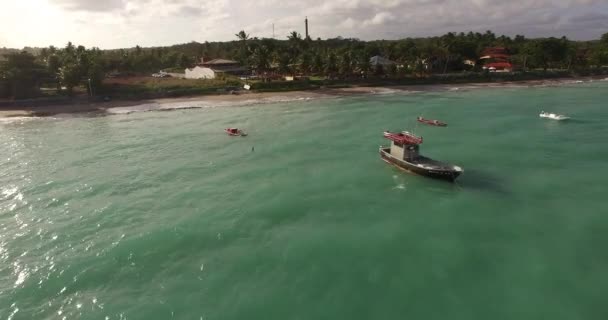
point(554, 116)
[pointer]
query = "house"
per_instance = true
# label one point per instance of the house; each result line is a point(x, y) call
point(296, 78)
point(376, 61)
point(213, 68)
point(496, 59)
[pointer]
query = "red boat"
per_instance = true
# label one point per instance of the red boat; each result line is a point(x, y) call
point(235, 132)
point(432, 122)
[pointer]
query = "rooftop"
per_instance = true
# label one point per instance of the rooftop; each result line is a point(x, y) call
point(219, 61)
point(378, 60)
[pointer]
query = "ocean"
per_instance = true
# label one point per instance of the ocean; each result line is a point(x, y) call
point(161, 215)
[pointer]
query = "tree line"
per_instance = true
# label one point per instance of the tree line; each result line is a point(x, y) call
point(447, 53)
point(22, 73)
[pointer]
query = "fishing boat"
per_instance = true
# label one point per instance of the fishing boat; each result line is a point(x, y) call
point(432, 122)
point(235, 132)
point(404, 154)
point(553, 116)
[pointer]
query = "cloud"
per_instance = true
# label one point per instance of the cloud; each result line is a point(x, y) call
point(190, 11)
point(90, 5)
point(120, 23)
point(590, 17)
point(380, 18)
point(348, 23)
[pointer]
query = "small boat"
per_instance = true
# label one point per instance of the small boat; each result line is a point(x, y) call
point(553, 116)
point(235, 132)
point(432, 122)
point(404, 154)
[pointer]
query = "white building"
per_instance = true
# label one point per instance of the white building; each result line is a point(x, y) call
point(199, 72)
point(211, 69)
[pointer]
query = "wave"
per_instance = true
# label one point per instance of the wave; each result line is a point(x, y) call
point(385, 91)
point(202, 104)
point(19, 120)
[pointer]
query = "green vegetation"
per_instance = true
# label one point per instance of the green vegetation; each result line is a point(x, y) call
point(148, 87)
point(22, 74)
point(331, 62)
point(19, 75)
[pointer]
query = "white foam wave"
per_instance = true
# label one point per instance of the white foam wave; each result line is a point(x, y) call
point(18, 120)
point(202, 104)
point(382, 91)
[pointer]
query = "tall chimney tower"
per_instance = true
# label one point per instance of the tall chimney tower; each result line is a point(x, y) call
point(306, 26)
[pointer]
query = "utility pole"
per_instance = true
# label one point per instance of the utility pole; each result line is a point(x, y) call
point(90, 88)
point(273, 30)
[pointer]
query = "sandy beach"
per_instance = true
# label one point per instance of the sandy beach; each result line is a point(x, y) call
point(251, 98)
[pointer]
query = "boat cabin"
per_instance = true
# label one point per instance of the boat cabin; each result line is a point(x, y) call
point(404, 145)
point(404, 151)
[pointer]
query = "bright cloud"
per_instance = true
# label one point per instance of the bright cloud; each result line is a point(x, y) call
point(126, 23)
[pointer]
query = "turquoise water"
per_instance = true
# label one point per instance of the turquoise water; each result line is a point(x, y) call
point(160, 215)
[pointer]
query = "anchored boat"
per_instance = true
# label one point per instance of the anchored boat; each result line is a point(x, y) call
point(235, 132)
point(431, 122)
point(404, 153)
point(553, 116)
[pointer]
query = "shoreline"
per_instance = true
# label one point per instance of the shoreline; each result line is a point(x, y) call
point(252, 98)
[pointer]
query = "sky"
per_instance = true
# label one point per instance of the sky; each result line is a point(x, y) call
point(111, 24)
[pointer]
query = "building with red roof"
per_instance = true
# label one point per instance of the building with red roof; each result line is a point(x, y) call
point(496, 59)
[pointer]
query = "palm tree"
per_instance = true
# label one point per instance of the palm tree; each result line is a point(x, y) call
point(242, 36)
point(243, 53)
point(294, 36)
point(346, 65)
point(317, 63)
point(295, 44)
point(261, 59)
point(284, 59)
point(305, 62)
point(447, 48)
point(363, 64)
point(69, 48)
point(331, 66)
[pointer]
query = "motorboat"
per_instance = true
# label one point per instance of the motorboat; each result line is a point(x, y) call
point(235, 132)
point(431, 122)
point(404, 154)
point(553, 116)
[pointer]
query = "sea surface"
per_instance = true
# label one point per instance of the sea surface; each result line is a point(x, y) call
point(160, 215)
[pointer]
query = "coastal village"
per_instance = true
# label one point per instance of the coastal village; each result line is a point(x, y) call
point(494, 60)
point(296, 63)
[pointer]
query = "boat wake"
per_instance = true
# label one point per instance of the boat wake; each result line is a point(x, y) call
point(400, 183)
